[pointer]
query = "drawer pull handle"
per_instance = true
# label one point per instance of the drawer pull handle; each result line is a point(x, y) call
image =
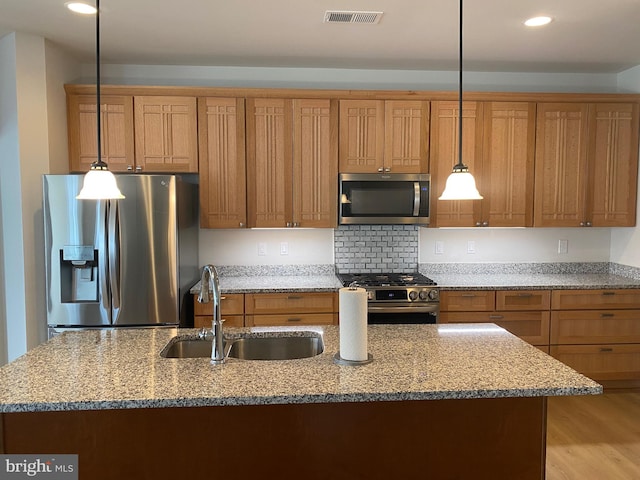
point(606, 349)
point(496, 317)
point(468, 295)
point(297, 319)
point(525, 295)
point(294, 297)
point(223, 297)
point(608, 293)
point(606, 315)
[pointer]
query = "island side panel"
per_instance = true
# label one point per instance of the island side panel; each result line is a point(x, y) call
point(445, 439)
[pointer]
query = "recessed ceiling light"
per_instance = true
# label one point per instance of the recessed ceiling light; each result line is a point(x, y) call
point(83, 8)
point(537, 21)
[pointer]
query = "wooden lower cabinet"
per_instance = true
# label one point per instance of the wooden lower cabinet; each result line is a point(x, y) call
point(597, 333)
point(605, 362)
point(532, 327)
point(525, 313)
point(314, 308)
point(232, 305)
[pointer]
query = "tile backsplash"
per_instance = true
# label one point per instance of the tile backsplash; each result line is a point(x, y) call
point(376, 248)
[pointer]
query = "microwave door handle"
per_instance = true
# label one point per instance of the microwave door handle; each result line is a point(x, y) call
point(416, 199)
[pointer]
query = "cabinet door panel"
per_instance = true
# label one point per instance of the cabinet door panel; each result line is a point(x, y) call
point(275, 303)
point(290, 319)
point(117, 132)
point(561, 164)
point(166, 134)
point(523, 299)
point(596, 326)
point(315, 163)
point(361, 136)
point(507, 164)
point(601, 362)
point(614, 164)
point(532, 327)
point(269, 162)
point(407, 136)
point(223, 194)
point(595, 299)
point(468, 301)
point(444, 155)
point(230, 304)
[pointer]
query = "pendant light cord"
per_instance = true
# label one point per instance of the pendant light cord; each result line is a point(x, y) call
point(460, 164)
point(98, 113)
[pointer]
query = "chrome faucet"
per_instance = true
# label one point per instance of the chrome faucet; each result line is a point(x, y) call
point(210, 281)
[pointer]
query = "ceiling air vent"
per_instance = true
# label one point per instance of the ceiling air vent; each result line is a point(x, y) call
point(341, 16)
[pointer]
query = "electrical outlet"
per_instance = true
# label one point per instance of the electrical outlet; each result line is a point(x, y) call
point(284, 248)
point(262, 249)
point(471, 247)
point(563, 247)
point(439, 250)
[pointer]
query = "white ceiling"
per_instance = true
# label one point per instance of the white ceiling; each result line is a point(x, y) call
point(600, 36)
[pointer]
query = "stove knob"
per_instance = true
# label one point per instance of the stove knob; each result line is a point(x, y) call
point(424, 295)
point(413, 295)
point(433, 295)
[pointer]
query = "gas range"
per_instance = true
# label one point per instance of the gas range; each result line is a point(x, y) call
point(399, 289)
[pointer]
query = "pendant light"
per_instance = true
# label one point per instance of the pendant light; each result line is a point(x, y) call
point(460, 185)
point(99, 182)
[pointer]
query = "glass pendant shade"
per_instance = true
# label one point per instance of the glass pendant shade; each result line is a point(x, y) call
point(99, 184)
point(460, 186)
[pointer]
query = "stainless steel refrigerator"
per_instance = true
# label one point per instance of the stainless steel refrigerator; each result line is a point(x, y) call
point(120, 263)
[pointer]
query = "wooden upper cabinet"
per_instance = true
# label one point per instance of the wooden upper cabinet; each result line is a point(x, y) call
point(361, 136)
point(561, 164)
point(506, 179)
point(586, 164)
point(116, 136)
point(315, 163)
point(613, 161)
point(269, 162)
point(444, 155)
point(166, 135)
point(384, 136)
point(221, 136)
point(292, 162)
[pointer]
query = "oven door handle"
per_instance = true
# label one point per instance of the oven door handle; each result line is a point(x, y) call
point(425, 309)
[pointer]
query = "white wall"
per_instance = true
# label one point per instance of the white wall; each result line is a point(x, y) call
point(514, 245)
point(240, 247)
point(29, 85)
point(625, 242)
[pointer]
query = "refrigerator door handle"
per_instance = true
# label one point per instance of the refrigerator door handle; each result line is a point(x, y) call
point(101, 235)
point(114, 255)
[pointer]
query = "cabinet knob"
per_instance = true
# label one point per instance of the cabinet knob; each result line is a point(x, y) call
point(129, 168)
point(381, 169)
point(585, 224)
point(241, 225)
point(288, 224)
point(478, 224)
point(485, 224)
point(387, 169)
point(296, 224)
point(138, 168)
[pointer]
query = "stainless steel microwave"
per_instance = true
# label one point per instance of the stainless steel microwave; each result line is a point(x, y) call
point(384, 198)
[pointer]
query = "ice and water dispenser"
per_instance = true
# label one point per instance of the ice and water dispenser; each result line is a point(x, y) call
point(78, 274)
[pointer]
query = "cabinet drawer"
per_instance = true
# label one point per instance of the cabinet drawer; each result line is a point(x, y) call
point(595, 326)
point(200, 321)
point(532, 327)
point(523, 299)
point(230, 304)
point(601, 362)
point(291, 319)
point(274, 303)
point(468, 301)
point(595, 299)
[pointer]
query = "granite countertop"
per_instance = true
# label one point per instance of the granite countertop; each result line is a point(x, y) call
point(275, 284)
point(115, 369)
point(533, 281)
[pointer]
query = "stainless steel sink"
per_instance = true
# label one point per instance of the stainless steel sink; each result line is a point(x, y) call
point(249, 347)
point(276, 348)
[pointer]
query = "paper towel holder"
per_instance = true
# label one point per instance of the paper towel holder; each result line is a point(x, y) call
point(341, 361)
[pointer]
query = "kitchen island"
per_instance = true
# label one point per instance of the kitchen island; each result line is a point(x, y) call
point(450, 401)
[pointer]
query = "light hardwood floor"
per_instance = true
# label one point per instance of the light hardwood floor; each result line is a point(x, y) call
point(594, 437)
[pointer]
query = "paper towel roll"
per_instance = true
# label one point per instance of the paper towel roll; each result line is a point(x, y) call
point(353, 324)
